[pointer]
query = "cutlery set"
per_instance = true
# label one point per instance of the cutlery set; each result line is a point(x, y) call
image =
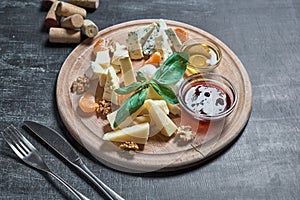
point(29, 154)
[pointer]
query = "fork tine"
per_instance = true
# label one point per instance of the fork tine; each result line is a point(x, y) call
point(22, 141)
point(18, 140)
point(7, 135)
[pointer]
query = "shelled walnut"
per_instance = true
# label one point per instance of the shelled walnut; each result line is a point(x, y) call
point(104, 108)
point(80, 85)
point(129, 146)
point(185, 133)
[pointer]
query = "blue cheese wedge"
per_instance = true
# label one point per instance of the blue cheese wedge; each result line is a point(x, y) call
point(112, 82)
point(144, 32)
point(149, 46)
point(134, 46)
point(127, 71)
point(176, 43)
point(138, 134)
point(161, 42)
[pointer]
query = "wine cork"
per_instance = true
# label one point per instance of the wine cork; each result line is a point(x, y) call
point(52, 20)
point(66, 9)
point(62, 35)
point(85, 3)
point(48, 3)
point(89, 28)
point(72, 22)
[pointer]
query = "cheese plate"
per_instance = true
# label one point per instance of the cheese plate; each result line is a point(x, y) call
point(159, 153)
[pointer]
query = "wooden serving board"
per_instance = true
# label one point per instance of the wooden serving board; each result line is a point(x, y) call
point(160, 153)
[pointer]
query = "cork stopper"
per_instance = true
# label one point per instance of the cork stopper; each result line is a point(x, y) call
point(48, 3)
point(62, 35)
point(66, 9)
point(72, 22)
point(52, 20)
point(85, 3)
point(89, 28)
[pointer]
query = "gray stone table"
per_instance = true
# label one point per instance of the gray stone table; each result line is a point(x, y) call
point(264, 163)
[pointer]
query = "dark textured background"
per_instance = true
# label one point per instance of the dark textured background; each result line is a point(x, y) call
point(263, 164)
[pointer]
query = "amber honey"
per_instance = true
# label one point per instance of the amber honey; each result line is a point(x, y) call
point(204, 55)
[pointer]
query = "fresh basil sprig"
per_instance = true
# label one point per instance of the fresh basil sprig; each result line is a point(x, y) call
point(165, 92)
point(130, 105)
point(128, 89)
point(170, 72)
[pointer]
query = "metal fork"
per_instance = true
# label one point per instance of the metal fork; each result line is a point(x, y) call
point(29, 154)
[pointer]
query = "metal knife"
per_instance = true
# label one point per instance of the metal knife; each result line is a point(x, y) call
point(62, 147)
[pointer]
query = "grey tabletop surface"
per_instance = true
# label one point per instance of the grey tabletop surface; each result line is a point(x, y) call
point(264, 163)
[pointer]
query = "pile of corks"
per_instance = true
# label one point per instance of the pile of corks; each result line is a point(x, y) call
point(67, 21)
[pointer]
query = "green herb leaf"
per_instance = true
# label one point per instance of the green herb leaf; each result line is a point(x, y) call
point(128, 89)
point(165, 91)
point(141, 76)
point(130, 105)
point(173, 69)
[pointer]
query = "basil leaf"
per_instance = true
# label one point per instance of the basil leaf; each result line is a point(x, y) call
point(130, 105)
point(173, 69)
point(128, 89)
point(165, 91)
point(141, 76)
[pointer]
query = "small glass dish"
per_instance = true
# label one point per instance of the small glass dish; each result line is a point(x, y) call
point(207, 96)
point(204, 55)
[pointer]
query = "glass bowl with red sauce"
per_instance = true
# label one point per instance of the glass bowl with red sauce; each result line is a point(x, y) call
point(207, 96)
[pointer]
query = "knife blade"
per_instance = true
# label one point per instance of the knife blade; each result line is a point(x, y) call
point(61, 146)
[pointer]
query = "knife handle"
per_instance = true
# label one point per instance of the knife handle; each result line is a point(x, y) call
point(112, 195)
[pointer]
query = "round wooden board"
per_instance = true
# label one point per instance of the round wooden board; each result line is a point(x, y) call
point(159, 154)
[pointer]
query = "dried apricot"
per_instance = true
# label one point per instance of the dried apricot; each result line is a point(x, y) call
point(154, 59)
point(182, 34)
point(87, 103)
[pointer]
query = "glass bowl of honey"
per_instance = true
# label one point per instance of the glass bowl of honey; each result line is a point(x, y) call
point(207, 96)
point(204, 55)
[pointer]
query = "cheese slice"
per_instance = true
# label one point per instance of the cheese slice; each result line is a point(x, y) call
point(149, 46)
point(112, 82)
point(119, 53)
point(103, 58)
point(162, 104)
point(161, 42)
point(174, 108)
point(161, 119)
point(152, 94)
point(127, 71)
point(138, 133)
point(142, 110)
point(144, 32)
point(96, 71)
point(176, 43)
point(134, 46)
point(148, 71)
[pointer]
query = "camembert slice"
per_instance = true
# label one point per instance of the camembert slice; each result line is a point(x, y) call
point(138, 133)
